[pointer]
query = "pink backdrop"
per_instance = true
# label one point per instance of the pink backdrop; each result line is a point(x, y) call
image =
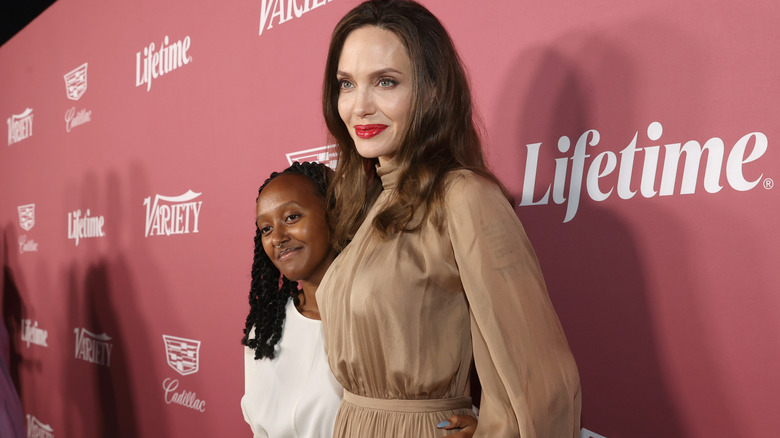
point(664, 275)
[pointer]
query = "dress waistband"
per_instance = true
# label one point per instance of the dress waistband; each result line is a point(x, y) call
point(429, 405)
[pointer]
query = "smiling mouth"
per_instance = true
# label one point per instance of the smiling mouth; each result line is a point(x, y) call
point(368, 131)
point(286, 253)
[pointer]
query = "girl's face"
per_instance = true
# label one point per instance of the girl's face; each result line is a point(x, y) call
point(293, 228)
point(375, 98)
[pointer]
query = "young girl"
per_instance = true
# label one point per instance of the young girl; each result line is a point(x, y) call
point(435, 267)
point(289, 389)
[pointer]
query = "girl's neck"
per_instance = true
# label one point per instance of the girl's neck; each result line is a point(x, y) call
point(308, 306)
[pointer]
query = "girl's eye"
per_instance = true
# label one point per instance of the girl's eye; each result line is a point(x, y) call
point(293, 217)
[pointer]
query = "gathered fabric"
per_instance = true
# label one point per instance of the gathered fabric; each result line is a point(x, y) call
point(404, 315)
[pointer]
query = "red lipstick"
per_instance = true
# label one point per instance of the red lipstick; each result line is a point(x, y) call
point(368, 131)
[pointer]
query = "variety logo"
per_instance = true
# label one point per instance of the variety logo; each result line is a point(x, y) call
point(31, 334)
point(155, 64)
point(182, 354)
point(84, 227)
point(188, 399)
point(26, 216)
point(76, 82)
point(93, 348)
point(20, 126)
point(169, 215)
point(606, 162)
point(36, 429)
point(585, 433)
point(285, 10)
point(327, 155)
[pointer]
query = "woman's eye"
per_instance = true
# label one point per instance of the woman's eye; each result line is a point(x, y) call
point(387, 82)
point(293, 217)
point(265, 230)
point(345, 84)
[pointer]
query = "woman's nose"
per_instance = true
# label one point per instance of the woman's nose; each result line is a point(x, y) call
point(364, 102)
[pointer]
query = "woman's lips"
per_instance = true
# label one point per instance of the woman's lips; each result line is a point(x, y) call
point(368, 131)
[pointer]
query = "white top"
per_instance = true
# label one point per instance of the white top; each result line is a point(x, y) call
point(294, 394)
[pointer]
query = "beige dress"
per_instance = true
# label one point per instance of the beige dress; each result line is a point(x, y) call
point(403, 315)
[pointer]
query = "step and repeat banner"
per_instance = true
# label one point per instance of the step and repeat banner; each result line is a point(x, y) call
point(638, 138)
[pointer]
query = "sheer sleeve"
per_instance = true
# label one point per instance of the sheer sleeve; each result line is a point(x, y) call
point(530, 383)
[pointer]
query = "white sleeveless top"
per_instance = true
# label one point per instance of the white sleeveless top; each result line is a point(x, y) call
point(294, 394)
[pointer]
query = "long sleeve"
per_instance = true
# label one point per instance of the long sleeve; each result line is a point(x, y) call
point(530, 383)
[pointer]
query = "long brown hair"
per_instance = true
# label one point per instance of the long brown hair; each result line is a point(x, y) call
point(441, 134)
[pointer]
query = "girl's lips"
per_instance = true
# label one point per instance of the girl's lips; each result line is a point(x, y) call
point(368, 131)
point(287, 253)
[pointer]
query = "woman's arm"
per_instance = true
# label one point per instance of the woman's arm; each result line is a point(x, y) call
point(530, 383)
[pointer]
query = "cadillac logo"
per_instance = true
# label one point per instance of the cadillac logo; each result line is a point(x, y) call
point(26, 216)
point(182, 354)
point(76, 82)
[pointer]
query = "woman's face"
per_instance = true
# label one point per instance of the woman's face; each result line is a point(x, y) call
point(293, 228)
point(375, 82)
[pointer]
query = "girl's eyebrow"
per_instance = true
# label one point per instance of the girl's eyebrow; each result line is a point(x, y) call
point(285, 205)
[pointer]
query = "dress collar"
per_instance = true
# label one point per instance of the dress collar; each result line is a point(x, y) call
point(388, 173)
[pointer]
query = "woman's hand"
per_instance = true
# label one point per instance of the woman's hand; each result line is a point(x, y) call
point(466, 425)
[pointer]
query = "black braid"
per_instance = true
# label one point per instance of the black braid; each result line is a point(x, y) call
point(270, 291)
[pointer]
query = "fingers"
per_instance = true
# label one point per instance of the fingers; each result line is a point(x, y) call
point(458, 422)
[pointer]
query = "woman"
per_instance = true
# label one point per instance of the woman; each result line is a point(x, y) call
point(289, 389)
point(435, 267)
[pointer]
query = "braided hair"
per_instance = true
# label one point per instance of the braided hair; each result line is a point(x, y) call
point(270, 290)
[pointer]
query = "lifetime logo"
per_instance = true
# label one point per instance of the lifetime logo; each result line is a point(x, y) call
point(155, 64)
point(606, 162)
point(84, 227)
point(31, 334)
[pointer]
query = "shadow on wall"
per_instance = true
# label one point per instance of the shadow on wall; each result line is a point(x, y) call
point(109, 394)
point(12, 415)
point(591, 264)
